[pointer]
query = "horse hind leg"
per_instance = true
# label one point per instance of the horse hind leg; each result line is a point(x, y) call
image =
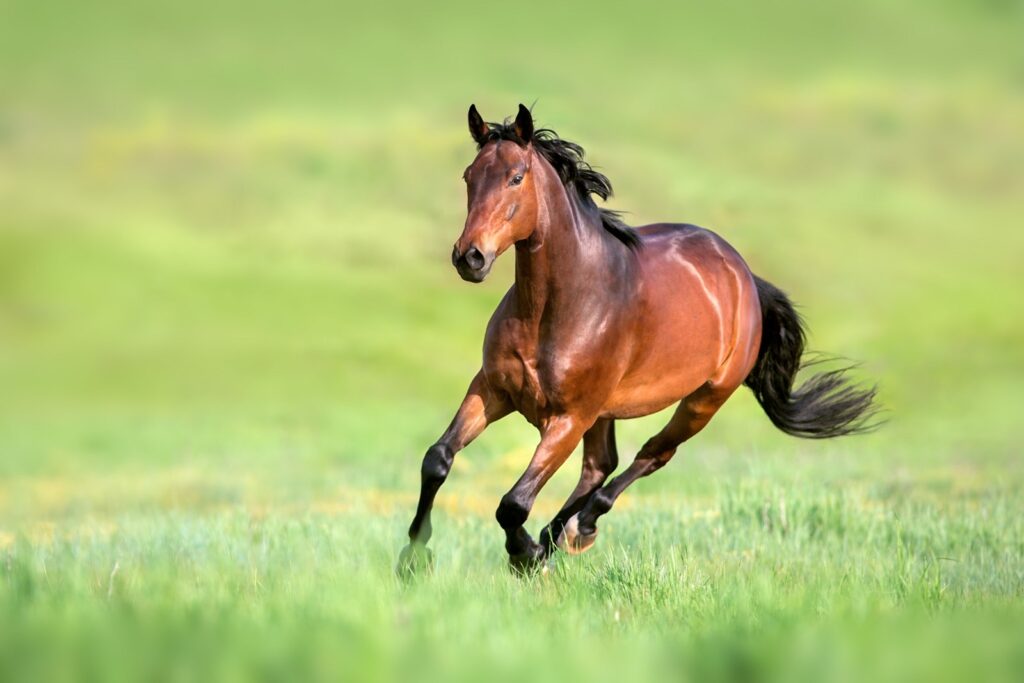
point(692, 414)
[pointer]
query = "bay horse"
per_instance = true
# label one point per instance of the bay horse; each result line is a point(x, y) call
point(606, 322)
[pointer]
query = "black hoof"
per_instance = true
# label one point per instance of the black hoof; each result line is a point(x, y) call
point(527, 563)
point(414, 561)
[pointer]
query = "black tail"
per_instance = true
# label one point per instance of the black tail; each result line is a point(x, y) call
point(824, 406)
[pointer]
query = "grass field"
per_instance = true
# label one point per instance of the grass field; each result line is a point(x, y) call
point(229, 329)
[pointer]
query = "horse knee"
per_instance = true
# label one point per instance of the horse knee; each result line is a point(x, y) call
point(511, 513)
point(437, 463)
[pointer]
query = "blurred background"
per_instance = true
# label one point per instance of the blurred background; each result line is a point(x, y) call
point(229, 328)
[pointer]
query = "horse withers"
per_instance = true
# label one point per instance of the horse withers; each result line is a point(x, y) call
point(606, 322)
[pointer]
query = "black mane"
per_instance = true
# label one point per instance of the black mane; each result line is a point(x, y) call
point(567, 159)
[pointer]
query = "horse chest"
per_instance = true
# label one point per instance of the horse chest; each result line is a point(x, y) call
point(513, 365)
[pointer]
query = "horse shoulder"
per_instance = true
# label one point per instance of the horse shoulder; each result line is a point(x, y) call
point(507, 350)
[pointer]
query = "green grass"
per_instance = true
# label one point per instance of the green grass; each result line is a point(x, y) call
point(229, 330)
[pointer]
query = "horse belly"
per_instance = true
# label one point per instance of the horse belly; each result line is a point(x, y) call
point(670, 372)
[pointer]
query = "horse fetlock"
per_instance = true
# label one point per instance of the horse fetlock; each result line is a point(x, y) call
point(437, 463)
point(511, 513)
point(600, 503)
point(420, 530)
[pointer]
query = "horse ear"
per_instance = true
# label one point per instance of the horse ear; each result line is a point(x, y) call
point(477, 126)
point(524, 124)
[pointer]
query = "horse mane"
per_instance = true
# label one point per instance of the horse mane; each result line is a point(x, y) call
point(567, 158)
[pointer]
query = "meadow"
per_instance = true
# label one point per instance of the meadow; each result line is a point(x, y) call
point(229, 329)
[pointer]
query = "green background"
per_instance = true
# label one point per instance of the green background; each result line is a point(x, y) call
point(229, 329)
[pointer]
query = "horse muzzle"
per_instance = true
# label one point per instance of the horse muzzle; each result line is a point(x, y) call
point(473, 265)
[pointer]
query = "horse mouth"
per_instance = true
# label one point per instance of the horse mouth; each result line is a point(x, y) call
point(475, 275)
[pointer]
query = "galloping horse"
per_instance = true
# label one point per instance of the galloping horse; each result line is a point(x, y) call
point(606, 322)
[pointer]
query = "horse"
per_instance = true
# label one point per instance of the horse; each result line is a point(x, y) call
point(607, 322)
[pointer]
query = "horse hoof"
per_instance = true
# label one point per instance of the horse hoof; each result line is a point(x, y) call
point(571, 540)
point(527, 563)
point(415, 560)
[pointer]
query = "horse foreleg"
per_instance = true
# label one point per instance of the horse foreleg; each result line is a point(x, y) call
point(479, 408)
point(558, 440)
point(600, 458)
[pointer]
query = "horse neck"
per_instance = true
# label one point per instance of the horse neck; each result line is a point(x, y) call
point(568, 259)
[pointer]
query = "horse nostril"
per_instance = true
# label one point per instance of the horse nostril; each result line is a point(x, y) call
point(474, 259)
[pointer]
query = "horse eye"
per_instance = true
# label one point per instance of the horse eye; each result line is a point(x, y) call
point(516, 179)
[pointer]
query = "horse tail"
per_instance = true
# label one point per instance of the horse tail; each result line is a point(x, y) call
point(824, 406)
